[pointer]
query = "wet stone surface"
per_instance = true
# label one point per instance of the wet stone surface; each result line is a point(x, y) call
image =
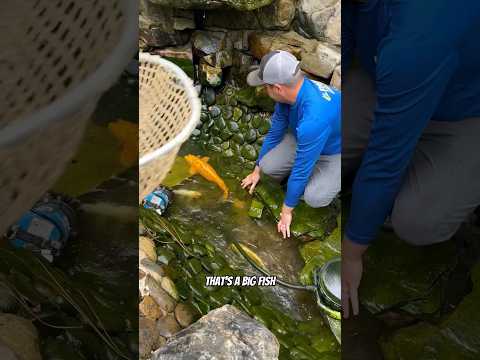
point(454, 337)
point(423, 300)
point(206, 251)
point(225, 333)
point(403, 277)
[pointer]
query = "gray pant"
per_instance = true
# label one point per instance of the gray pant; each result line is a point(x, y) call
point(441, 188)
point(325, 182)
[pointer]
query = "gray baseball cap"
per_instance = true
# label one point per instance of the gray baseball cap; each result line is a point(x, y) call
point(277, 67)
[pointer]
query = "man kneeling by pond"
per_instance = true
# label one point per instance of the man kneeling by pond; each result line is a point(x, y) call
point(304, 140)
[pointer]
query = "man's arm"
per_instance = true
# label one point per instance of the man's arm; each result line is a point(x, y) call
point(312, 135)
point(277, 130)
point(414, 67)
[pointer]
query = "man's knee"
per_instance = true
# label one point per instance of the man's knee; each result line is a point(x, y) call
point(270, 168)
point(318, 199)
point(418, 227)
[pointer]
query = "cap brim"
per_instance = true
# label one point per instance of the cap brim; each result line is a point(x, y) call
point(253, 79)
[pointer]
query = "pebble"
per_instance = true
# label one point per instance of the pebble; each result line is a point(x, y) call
point(153, 269)
point(161, 341)
point(148, 337)
point(167, 326)
point(184, 314)
point(169, 286)
point(150, 309)
point(161, 297)
point(148, 247)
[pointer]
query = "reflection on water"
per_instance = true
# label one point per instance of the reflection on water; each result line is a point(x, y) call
point(216, 218)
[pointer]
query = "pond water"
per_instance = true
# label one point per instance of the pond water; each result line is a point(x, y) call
point(211, 220)
point(230, 218)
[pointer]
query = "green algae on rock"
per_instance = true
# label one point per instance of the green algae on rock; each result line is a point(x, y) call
point(319, 343)
point(256, 209)
point(398, 275)
point(244, 5)
point(255, 97)
point(318, 252)
point(455, 337)
point(306, 218)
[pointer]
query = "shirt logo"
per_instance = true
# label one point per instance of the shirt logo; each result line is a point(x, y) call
point(325, 90)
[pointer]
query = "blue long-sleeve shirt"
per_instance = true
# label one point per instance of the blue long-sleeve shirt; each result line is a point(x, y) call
point(314, 120)
point(425, 59)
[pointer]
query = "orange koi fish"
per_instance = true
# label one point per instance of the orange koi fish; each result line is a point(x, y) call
point(202, 167)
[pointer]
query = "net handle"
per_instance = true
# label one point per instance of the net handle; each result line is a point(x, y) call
point(78, 97)
point(193, 99)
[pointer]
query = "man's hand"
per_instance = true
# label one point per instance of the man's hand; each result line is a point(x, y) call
point(283, 225)
point(252, 180)
point(352, 268)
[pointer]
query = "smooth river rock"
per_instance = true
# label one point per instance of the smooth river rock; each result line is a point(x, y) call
point(150, 309)
point(167, 326)
point(184, 314)
point(149, 339)
point(225, 333)
point(161, 297)
point(147, 246)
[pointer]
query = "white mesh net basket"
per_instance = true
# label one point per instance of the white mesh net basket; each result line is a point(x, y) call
point(169, 111)
point(56, 59)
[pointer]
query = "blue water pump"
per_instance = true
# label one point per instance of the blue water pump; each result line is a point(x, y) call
point(46, 228)
point(158, 200)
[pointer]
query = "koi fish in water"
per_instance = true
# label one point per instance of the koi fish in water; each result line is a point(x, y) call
point(254, 257)
point(187, 193)
point(203, 168)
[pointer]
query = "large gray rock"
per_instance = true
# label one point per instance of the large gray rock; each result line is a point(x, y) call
point(320, 19)
point(232, 19)
point(261, 43)
point(278, 15)
point(322, 62)
point(225, 333)
point(214, 4)
point(317, 58)
point(162, 26)
point(332, 32)
point(209, 42)
point(336, 80)
point(151, 34)
point(167, 17)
